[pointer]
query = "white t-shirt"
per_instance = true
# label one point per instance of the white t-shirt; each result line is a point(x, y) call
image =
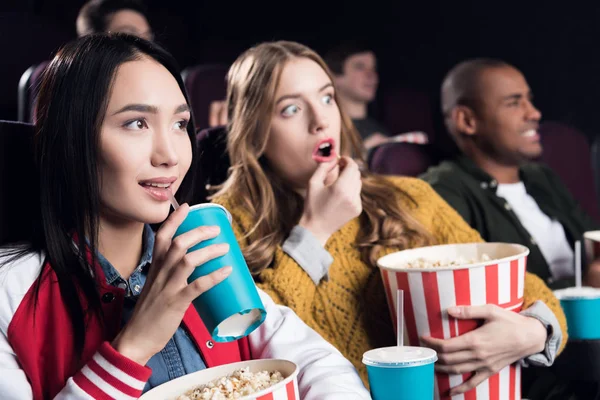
point(548, 233)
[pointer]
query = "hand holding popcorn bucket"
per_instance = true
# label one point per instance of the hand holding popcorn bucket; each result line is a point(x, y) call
point(438, 277)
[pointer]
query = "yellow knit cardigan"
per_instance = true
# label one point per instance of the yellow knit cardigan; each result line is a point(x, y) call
point(349, 309)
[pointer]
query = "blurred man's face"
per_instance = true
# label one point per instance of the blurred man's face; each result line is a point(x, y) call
point(131, 22)
point(359, 79)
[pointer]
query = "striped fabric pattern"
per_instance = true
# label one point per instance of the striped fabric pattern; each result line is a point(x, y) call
point(109, 375)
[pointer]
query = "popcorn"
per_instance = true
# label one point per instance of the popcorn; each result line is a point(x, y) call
point(425, 263)
point(238, 384)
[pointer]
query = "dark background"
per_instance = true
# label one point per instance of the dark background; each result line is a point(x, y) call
point(555, 44)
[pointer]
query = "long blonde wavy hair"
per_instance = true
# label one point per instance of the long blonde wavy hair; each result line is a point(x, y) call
point(254, 186)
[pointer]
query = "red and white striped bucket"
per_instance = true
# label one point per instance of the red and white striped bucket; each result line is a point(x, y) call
point(428, 292)
point(284, 390)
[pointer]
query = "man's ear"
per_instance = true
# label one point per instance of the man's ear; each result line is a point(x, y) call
point(464, 120)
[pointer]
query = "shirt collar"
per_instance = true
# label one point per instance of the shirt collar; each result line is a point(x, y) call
point(486, 181)
point(112, 275)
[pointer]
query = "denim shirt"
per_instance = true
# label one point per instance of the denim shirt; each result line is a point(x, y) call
point(180, 356)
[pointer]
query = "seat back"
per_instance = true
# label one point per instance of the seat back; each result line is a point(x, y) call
point(405, 159)
point(29, 88)
point(213, 162)
point(568, 153)
point(205, 84)
point(19, 199)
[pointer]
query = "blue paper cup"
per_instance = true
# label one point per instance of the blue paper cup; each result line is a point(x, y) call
point(401, 373)
point(232, 309)
point(581, 307)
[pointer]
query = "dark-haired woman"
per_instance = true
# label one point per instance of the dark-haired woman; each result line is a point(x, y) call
point(95, 305)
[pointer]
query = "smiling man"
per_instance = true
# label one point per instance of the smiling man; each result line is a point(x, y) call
point(494, 184)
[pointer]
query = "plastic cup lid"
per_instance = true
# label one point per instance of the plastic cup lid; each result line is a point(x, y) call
point(399, 357)
point(574, 293)
point(212, 205)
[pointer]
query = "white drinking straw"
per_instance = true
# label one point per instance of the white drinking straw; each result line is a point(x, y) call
point(400, 312)
point(174, 202)
point(578, 263)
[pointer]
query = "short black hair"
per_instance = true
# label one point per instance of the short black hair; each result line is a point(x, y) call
point(461, 87)
point(337, 55)
point(461, 84)
point(93, 16)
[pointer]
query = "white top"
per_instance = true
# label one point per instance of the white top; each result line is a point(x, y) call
point(548, 233)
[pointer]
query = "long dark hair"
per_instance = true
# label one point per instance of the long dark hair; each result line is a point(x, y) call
point(72, 104)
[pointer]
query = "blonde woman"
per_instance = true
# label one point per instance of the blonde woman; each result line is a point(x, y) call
point(312, 225)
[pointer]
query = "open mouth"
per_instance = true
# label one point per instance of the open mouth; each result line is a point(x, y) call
point(158, 188)
point(324, 151)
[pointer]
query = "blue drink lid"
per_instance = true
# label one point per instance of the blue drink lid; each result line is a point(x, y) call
point(211, 205)
point(399, 357)
point(577, 293)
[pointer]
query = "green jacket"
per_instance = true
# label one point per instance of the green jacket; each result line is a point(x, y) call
point(472, 192)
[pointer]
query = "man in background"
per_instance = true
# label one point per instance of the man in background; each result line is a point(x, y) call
point(354, 66)
point(127, 16)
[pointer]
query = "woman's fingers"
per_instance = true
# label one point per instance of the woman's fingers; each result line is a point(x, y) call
point(461, 368)
point(205, 283)
point(472, 383)
point(196, 259)
point(456, 357)
point(182, 243)
point(460, 343)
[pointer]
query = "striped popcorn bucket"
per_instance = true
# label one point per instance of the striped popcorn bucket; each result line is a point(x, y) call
point(429, 291)
point(284, 390)
point(591, 242)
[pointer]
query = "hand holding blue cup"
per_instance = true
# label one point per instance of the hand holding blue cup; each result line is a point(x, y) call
point(232, 309)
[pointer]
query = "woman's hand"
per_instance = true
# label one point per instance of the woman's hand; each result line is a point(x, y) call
point(504, 338)
point(167, 295)
point(332, 198)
